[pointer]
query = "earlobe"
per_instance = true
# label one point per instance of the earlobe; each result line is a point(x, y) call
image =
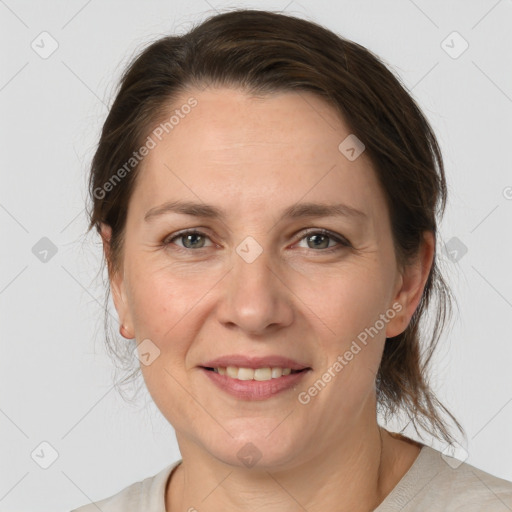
point(116, 279)
point(125, 333)
point(411, 283)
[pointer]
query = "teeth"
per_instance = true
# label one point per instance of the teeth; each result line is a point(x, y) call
point(261, 374)
point(276, 372)
point(245, 373)
point(232, 372)
point(253, 374)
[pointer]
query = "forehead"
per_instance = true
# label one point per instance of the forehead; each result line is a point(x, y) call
point(247, 152)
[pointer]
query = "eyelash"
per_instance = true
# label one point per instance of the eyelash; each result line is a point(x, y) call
point(342, 242)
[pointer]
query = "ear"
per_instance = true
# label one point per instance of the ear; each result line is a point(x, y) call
point(410, 284)
point(117, 285)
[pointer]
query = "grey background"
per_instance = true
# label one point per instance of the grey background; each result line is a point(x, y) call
point(56, 382)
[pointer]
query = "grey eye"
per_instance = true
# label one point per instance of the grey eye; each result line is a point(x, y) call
point(190, 240)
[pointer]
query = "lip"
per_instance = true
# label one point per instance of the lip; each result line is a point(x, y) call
point(241, 361)
point(253, 389)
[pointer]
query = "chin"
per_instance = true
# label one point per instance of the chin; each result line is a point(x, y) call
point(252, 447)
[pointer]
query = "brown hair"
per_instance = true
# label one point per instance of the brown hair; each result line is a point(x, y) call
point(264, 52)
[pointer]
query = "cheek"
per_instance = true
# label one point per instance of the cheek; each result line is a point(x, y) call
point(352, 344)
point(351, 301)
point(159, 301)
point(163, 311)
point(350, 308)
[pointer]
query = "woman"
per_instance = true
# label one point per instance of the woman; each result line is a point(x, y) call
point(267, 193)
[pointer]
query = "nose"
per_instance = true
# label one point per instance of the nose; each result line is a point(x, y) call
point(256, 299)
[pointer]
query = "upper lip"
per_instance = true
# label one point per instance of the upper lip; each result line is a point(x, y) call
point(242, 361)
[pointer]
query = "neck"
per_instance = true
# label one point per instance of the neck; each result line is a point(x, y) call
point(357, 474)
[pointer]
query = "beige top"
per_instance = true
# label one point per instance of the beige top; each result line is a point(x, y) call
point(434, 483)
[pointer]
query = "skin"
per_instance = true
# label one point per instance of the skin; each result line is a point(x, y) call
point(253, 157)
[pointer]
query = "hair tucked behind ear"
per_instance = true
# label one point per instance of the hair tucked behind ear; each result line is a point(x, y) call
point(265, 52)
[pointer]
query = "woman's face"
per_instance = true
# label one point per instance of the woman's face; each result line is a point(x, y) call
point(256, 283)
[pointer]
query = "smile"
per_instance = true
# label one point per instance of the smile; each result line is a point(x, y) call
point(254, 383)
point(260, 374)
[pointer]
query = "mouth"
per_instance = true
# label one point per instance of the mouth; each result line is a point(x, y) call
point(254, 384)
point(258, 374)
point(254, 377)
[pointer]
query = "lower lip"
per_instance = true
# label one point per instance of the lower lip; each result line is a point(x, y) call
point(254, 389)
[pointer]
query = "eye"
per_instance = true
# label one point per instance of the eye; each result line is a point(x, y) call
point(192, 239)
point(319, 238)
point(195, 240)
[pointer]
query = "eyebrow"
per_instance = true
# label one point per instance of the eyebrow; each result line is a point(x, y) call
point(295, 211)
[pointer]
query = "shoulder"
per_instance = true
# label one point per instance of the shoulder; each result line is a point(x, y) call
point(147, 494)
point(436, 482)
point(472, 489)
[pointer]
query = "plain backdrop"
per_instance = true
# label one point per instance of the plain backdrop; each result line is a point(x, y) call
point(56, 380)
